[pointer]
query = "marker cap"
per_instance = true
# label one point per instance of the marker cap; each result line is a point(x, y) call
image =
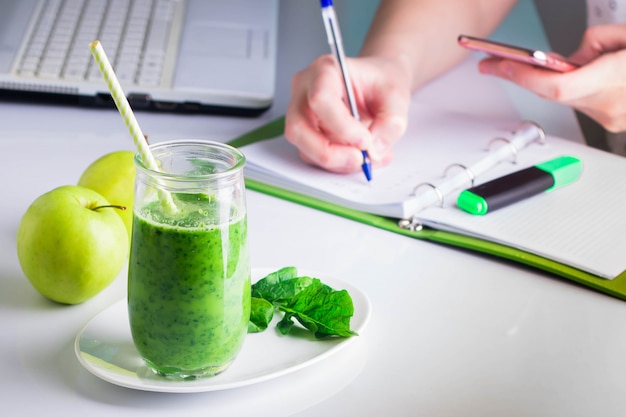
point(565, 170)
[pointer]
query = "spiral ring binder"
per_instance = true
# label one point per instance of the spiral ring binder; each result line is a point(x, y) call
point(521, 137)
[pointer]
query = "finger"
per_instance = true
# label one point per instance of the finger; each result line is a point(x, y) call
point(333, 157)
point(314, 146)
point(571, 88)
point(326, 98)
point(545, 83)
point(599, 40)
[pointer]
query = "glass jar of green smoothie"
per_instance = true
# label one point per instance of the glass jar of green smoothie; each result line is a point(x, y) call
point(189, 269)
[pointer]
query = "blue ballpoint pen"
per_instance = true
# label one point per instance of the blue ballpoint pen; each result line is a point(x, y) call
point(336, 45)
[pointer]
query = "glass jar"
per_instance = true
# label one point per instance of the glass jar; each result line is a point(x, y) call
point(189, 269)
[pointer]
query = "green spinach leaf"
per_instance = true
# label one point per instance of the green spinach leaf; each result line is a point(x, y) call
point(261, 315)
point(321, 309)
point(316, 306)
point(280, 285)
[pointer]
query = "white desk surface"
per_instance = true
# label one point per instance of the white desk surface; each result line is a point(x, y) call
point(452, 333)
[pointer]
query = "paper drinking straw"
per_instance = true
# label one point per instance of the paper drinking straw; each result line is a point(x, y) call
point(127, 114)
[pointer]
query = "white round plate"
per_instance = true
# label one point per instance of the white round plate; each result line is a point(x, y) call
point(105, 348)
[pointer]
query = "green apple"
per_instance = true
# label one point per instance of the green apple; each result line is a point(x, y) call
point(71, 244)
point(113, 176)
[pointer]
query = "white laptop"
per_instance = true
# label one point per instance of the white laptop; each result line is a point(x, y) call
point(210, 56)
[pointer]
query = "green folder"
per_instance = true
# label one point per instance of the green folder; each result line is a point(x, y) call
point(615, 287)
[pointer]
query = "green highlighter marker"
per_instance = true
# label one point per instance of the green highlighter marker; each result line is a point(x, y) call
point(519, 185)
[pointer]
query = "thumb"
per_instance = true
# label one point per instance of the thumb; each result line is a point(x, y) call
point(599, 40)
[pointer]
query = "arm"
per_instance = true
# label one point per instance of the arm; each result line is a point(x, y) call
point(409, 43)
point(421, 34)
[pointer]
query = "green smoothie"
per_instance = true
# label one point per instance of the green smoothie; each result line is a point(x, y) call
point(188, 288)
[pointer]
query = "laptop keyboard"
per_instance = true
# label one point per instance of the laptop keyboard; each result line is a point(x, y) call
point(133, 33)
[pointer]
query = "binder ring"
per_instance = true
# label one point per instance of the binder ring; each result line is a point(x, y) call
point(468, 171)
point(541, 134)
point(437, 190)
point(509, 144)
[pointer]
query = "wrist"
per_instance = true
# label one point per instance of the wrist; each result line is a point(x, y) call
point(398, 67)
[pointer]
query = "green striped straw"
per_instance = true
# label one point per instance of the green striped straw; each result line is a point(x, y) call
point(127, 114)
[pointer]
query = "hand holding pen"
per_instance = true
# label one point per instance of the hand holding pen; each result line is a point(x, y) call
point(331, 25)
point(319, 122)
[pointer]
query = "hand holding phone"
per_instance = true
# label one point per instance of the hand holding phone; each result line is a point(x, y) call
point(529, 56)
